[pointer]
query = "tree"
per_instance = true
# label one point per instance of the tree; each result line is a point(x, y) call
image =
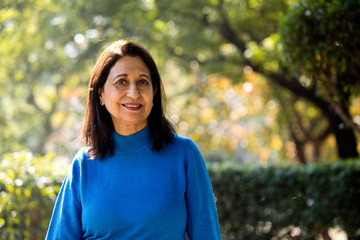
point(36, 68)
point(223, 22)
point(322, 42)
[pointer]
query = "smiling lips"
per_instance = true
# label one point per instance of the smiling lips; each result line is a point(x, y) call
point(132, 106)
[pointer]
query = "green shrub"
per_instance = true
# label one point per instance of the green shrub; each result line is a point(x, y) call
point(254, 202)
point(261, 202)
point(28, 189)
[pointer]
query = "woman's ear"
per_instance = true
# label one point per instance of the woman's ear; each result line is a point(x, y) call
point(102, 103)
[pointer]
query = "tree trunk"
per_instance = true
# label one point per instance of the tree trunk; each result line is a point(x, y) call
point(345, 138)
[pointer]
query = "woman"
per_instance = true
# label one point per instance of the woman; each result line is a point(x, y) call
point(136, 178)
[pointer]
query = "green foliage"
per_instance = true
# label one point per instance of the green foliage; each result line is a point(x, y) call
point(259, 202)
point(28, 189)
point(323, 36)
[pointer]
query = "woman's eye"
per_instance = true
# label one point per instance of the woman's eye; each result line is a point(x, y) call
point(143, 82)
point(121, 81)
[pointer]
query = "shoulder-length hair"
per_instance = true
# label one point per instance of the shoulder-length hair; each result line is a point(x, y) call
point(98, 126)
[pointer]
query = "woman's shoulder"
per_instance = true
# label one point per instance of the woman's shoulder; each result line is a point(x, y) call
point(82, 160)
point(82, 154)
point(184, 142)
point(179, 139)
point(187, 149)
point(81, 157)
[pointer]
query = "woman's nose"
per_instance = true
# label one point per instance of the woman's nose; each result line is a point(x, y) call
point(133, 91)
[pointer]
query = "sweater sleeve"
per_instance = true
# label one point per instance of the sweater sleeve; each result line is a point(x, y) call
point(202, 222)
point(66, 218)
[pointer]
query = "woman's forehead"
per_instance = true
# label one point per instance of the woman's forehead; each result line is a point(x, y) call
point(130, 64)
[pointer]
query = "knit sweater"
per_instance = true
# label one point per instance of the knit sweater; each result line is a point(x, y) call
point(137, 194)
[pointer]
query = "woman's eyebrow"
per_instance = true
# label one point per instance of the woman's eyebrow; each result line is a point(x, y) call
point(145, 75)
point(120, 75)
point(126, 75)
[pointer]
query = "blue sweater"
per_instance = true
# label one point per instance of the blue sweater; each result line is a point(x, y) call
point(137, 194)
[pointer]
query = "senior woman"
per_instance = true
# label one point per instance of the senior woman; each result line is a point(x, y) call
point(135, 178)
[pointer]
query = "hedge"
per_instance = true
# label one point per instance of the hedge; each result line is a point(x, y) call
point(254, 202)
point(287, 202)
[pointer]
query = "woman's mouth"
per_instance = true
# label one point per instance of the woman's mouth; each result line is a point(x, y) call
point(132, 107)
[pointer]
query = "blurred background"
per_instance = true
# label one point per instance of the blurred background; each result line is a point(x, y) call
point(253, 82)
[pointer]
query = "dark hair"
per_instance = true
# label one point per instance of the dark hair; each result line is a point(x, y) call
point(98, 126)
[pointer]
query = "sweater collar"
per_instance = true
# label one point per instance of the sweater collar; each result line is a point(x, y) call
point(132, 143)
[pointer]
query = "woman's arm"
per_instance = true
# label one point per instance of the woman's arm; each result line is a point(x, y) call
point(202, 215)
point(66, 218)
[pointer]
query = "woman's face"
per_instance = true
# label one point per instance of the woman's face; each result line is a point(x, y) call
point(128, 95)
